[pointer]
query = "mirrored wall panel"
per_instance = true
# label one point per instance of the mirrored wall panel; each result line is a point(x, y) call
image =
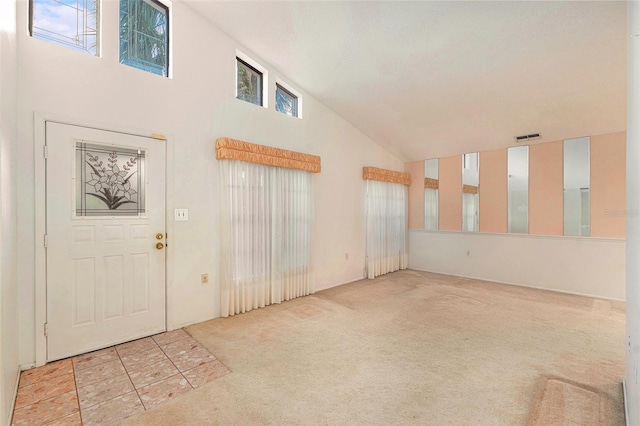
point(431, 194)
point(577, 184)
point(470, 192)
point(518, 189)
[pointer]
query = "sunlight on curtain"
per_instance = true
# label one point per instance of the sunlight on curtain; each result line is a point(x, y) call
point(266, 223)
point(470, 209)
point(430, 209)
point(386, 220)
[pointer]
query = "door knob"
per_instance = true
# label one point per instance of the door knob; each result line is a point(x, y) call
point(159, 246)
point(158, 236)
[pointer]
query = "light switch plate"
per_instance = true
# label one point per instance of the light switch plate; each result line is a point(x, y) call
point(181, 214)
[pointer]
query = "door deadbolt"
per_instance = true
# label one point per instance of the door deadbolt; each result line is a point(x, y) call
point(159, 246)
point(158, 236)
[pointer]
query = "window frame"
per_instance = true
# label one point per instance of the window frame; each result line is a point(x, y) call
point(289, 92)
point(261, 96)
point(158, 5)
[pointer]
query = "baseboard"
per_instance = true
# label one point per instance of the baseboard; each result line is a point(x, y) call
point(15, 395)
point(624, 398)
point(339, 284)
point(25, 367)
point(574, 293)
point(171, 327)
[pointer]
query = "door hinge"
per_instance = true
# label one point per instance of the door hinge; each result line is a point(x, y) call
point(46, 329)
point(45, 151)
point(46, 240)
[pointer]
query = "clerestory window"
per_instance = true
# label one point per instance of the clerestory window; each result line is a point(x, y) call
point(286, 101)
point(249, 83)
point(70, 23)
point(144, 35)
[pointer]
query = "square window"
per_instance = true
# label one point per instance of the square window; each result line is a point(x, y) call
point(144, 35)
point(110, 181)
point(249, 83)
point(70, 23)
point(286, 102)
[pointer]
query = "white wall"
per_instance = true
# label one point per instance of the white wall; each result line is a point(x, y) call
point(193, 108)
point(633, 221)
point(8, 283)
point(587, 266)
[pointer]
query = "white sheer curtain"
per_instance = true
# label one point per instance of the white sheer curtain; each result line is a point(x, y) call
point(266, 222)
point(386, 221)
point(430, 209)
point(470, 212)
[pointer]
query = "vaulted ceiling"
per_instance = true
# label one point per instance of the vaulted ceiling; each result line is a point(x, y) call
point(430, 79)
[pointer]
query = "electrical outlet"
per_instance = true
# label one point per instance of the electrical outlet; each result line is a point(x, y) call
point(468, 253)
point(346, 256)
point(181, 214)
point(204, 278)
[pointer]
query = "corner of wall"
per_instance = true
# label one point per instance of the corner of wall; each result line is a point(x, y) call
point(9, 364)
point(632, 346)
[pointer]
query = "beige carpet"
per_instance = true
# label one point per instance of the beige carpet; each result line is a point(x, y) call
point(413, 348)
point(564, 403)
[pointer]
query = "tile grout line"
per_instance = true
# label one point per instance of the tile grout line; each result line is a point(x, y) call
point(193, 368)
point(77, 387)
point(168, 358)
point(117, 396)
point(126, 372)
point(95, 383)
point(129, 376)
point(73, 369)
point(171, 361)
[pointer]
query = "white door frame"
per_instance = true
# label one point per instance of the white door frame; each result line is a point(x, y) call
point(40, 178)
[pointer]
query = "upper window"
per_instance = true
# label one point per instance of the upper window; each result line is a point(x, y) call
point(144, 35)
point(249, 83)
point(518, 189)
point(577, 184)
point(286, 102)
point(70, 23)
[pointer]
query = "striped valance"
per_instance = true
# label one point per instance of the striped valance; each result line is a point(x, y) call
point(431, 183)
point(384, 175)
point(233, 149)
point(469, 189)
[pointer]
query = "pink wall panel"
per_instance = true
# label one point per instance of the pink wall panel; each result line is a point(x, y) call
point(493, 191)
point(416, 194)
point(608, 177)
point(450, 193)
point(546, 195)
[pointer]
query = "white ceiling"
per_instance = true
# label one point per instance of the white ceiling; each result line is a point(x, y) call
point(429, 79)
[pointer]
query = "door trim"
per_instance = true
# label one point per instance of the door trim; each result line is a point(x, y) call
point(40, 179)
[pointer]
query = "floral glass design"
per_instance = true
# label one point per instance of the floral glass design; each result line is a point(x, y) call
point(110, 181)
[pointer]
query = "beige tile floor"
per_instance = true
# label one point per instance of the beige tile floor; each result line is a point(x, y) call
point(109, 385)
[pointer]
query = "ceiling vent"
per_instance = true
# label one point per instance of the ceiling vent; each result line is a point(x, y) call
point(525, 138)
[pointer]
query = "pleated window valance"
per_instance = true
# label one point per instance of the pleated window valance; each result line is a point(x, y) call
point(469, 189)
point(431, 183)
point(233, 149)
point(384, 175)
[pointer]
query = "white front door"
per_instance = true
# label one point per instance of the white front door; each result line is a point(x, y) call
point(105, 238)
